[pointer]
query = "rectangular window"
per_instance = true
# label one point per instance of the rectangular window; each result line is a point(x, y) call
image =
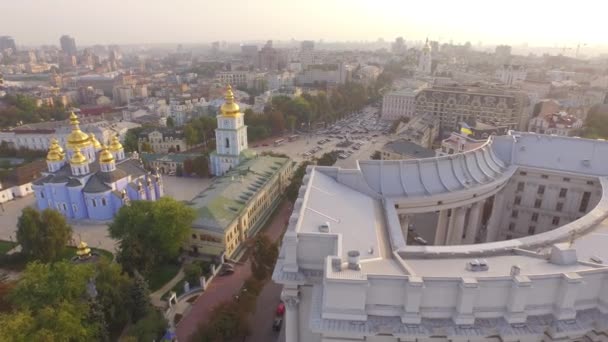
point(41, 194)
point(520, 186)
point(584, 201)
point(566, 179)
point(541, 189)
point(538, 203)
point(534, 217)
point(559, 207)
point(523, 173)
point(65, 207)
point(563, 192)
point(103, 202)
point(94, 203)
point(589, 182)
point(531, 230)
point(517, 200)
point(511, 226)
point(514, 214)
point(555, 221)
point(544, 176)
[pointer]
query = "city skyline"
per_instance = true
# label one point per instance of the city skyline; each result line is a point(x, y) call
point(187, 21)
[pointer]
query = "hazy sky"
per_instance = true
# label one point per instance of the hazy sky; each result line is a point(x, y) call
point(538, 22)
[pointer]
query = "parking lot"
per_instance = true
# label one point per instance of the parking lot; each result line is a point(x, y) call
point(356, 137)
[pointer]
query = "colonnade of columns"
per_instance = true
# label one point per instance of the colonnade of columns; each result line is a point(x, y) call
point(461, 225)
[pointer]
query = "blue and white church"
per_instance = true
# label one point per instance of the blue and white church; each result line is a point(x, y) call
point(91, 181)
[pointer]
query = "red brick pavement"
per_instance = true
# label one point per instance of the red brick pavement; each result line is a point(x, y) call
point(224, 288)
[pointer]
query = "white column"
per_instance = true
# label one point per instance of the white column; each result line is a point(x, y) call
point(291, 300)
point(442, 228)
point(494, 221)
point(473, 224)
point(456, 226)
point(404, 220)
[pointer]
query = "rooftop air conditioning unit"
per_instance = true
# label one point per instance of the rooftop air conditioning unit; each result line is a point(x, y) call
point(324, 228)
point(477, 265)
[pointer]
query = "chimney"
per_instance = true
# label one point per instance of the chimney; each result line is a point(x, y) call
point(353, 260)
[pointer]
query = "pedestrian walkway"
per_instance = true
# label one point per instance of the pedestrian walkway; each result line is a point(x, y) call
point(156, 296)
point(223, 289)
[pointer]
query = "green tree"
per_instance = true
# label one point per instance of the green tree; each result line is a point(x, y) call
point(264, 254)
point(131, 139)
point(150, 328)
point(140, 297)
point(596, 123)
point(193, 272)
point(170, 122)
point(328, 159)
point(113, 286)
point(291, 122)
point(191, 135)
point(277, 122)
point(296, 181)
point(43, 236)
point(179, 170)
point(146, 147)
point(151, 233)
point(376, 155)
point(200, 166)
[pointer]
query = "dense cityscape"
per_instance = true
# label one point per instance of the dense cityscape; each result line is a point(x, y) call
point(303, 190)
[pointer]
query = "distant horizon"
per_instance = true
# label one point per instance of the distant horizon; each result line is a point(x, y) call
point(149, 22)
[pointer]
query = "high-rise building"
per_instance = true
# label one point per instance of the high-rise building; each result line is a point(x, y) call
point(307, 45)
point(7, 42)
point(455, 104)
point(68, 45)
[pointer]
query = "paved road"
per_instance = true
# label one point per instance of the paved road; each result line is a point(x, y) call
point(222, 289)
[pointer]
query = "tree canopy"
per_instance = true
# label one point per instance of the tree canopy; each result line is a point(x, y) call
point(150, 233)
point(43, 235)
point(596, 123)
point(22, 109)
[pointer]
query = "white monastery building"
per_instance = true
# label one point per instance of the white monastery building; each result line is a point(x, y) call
point(518, 250)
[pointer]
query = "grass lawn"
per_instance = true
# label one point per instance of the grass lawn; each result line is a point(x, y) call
point(160, 275)
point(6, 246)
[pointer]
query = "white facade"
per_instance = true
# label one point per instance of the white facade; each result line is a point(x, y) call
point(350, 273)
point(399, 104)
point(511, 74)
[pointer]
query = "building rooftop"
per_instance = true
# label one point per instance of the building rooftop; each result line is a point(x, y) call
point(409, 149)
point(223, 201)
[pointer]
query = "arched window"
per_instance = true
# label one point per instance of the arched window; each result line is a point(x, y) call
point(94, 203)
point(103, 202)
point(227, 143)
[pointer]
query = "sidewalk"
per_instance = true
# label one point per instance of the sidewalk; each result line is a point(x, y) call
point(155, 297)
point(222, 289)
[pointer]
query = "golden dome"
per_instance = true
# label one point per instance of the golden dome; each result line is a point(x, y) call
point(115, 145)
point(78, 158)
point(55, 152)
point(78, 138)
point(105, 156)
point(94, 141)
point(229, 108)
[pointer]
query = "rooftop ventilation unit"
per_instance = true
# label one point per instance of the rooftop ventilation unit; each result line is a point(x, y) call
point(477, 265)
point(336, 264)
point(324, 228)
point(353, 260)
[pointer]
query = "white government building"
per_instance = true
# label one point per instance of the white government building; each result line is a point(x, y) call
point(519, 246)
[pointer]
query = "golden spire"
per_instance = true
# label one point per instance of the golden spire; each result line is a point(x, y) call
point(55, 145)
point(94, 141)
point(78, 158)
point(77, 139)
point(229, 108)
point(105, 156)
point(115, 145)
